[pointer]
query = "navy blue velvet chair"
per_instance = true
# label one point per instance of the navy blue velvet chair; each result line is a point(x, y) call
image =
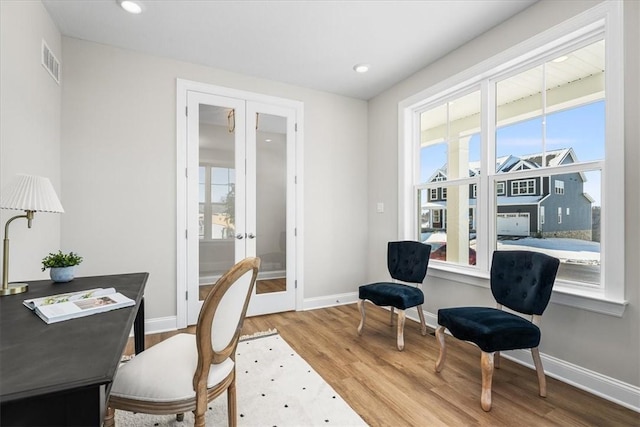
point(407, 262)
point(521, 281)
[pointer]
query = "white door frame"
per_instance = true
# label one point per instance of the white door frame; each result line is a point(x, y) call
point(182, 188)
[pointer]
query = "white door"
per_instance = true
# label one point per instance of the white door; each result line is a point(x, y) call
point(240, 197)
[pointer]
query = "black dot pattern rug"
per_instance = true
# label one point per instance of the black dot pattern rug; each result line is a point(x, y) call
point(275, 387)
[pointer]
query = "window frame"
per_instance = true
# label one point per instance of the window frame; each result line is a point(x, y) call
point(603, 21)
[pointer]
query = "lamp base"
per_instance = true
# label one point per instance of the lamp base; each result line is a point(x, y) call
point(18, 288)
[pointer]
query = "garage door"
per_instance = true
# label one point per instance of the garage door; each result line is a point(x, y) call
point(513, 224)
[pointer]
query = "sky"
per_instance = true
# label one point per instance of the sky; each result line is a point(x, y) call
point(582, 129)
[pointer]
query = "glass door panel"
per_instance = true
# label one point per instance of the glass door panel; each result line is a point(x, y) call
point(271, 202)
point(216, 194)
point(271, 215)
point(215, 187)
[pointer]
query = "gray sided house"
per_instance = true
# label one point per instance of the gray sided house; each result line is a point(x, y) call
point(543, 206)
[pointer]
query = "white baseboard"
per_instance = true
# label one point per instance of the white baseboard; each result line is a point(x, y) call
point(330, 301)
point(608, 388)
point(160, 324)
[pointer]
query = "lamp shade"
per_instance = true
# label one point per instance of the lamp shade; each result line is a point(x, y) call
point(30, 193)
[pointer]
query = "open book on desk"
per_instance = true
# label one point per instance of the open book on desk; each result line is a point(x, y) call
point(56, 308)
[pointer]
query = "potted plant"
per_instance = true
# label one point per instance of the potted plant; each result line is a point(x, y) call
point(62, 266)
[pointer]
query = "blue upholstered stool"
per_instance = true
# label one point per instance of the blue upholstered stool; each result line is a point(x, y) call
point(407, 261)
point(521, 281)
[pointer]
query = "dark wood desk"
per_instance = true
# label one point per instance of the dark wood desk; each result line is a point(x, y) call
point(60, 374)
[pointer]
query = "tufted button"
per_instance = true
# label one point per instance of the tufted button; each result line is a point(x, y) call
point(519, 279)
point(524, 295)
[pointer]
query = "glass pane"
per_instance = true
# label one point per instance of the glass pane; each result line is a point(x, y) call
point(450, 140)
point(562, 221)
point(217, 207)
point(271, 203)
point(448, 225)
point(580, 129)
point(450, 150)
point(519, 124)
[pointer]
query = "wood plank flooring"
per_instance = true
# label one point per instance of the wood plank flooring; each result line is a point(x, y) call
point(391, 388)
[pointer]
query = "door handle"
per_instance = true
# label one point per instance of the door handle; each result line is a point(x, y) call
point(251, 236)
point(239, 236)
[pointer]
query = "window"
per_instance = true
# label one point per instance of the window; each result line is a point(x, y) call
point(546, 118)
point(433, 194)
point(216, 202)
point(527, 186)
point(450, 152)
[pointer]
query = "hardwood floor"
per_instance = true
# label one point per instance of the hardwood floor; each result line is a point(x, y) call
point(391, 388)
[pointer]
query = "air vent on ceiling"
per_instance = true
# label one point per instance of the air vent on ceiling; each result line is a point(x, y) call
point(50, 62)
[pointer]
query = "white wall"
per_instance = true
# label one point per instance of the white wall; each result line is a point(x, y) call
point(119, 161)
point(30, 128)
point(601, 343)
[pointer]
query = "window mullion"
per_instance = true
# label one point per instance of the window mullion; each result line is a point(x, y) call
point(486, 228)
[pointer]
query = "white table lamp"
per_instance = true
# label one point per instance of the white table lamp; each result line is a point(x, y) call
point(31, 194)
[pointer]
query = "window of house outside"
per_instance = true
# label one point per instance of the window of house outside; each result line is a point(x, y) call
point(516, 140)
point(526, 186)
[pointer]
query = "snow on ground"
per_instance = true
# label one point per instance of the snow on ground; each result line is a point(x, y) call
point(567, 250)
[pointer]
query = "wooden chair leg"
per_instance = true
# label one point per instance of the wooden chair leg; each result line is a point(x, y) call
point(542, 380)
point(486, 363)
point(362, 316)
point(496, 360)
point(180, 417)
point(391, 316)
point(423, 324)
point(443, 349)
point(400, 333)
point(231, 404)
point(109, 417)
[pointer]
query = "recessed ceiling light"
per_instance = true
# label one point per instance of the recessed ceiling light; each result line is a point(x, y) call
point(361, 68)
point(560, 59)
point(130, 6)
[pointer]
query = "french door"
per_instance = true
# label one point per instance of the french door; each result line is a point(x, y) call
point(241, 197)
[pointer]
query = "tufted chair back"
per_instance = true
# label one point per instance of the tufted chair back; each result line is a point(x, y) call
point(405, 260)
point(523, 280)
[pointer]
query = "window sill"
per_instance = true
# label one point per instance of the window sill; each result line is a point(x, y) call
point(589, 300)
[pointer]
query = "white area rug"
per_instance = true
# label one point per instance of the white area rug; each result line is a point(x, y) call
point(275, 387)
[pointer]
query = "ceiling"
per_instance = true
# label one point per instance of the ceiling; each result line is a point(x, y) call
point(312, 43)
